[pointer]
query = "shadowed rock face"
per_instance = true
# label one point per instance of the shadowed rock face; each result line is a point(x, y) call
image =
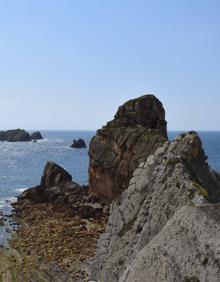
point(165, 225)
point(138, 129)
point(14, 135)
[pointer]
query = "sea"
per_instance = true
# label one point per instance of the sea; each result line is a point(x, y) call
point(22, 163)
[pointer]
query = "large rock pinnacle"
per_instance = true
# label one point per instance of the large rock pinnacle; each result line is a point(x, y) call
point(138, 129)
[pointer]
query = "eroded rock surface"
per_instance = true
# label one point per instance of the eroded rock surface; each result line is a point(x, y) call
point(138, 129)
point(166, 225)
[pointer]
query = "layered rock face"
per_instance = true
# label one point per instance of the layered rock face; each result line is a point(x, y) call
point(138, 129)
point(166, 225)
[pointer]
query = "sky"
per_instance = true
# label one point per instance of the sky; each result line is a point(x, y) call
point(69, 64)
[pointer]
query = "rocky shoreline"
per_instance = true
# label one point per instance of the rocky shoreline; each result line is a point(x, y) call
point(151, 211)
point(60, 224)
point(51, 232)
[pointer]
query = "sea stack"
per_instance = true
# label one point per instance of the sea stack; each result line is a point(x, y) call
point(78, 144)
point(138, 129)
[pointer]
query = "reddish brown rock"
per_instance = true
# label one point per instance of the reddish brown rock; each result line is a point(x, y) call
point(138, 129)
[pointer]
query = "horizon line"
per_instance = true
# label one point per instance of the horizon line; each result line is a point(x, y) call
point(58, 129)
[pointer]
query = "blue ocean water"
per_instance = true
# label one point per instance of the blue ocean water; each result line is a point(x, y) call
point(22, 163)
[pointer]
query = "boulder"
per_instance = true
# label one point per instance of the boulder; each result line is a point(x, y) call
point(36, 136)
point(54, 176)
point(165, 226)
point(53, 180)
point(14, 135)
point(138, 129)
point(78, 144)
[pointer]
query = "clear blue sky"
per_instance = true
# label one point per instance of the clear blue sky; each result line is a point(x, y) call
point(70, 64)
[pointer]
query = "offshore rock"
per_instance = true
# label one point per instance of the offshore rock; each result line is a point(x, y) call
point(166, 225)
point(138, 129)
point(36, 135)
point(15, 135)
point(78, 144)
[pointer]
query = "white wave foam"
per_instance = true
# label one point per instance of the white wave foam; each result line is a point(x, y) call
point(20, 190)
point(46, 140)
point(6, 202)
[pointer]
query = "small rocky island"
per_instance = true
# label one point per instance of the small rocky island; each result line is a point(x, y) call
point(36, 136)
point(19, 135)
point(151, 211)
point(78, 144)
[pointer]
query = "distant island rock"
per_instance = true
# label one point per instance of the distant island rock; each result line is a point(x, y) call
point(14, 135)
point(36, 136)
point(19, 135)
point(80, 143)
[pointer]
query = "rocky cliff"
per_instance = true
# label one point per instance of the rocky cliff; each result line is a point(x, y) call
point(138, 129)
point(166, 225)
